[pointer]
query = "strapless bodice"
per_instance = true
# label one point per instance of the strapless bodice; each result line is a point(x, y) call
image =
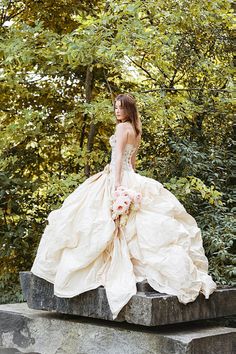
point(127, 154)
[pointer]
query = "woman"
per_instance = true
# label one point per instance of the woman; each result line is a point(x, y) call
point(83, 248)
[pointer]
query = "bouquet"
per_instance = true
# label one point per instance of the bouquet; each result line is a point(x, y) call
point(124, 201)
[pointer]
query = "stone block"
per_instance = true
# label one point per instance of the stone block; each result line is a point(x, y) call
point(148, 308)
point(23, 330)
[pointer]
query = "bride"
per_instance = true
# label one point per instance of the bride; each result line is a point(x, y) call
point(83, 247)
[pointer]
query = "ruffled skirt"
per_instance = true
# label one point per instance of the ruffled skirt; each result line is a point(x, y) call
point(82, 247)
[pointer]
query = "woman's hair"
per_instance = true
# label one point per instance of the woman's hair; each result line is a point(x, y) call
point(128, 103)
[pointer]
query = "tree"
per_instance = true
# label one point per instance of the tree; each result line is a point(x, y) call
point(62, 65)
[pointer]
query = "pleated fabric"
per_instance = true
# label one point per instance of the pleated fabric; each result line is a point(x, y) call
point(82, 248)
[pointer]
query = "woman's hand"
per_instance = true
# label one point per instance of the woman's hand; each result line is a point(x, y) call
point(117, 185)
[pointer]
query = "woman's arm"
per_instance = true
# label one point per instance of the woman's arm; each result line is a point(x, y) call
point(121, 140)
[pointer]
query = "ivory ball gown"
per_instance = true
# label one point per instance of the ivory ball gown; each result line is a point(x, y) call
point(81, 249)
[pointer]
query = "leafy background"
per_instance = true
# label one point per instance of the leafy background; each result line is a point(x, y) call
point(62, 64)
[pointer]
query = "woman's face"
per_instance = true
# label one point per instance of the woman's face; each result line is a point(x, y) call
point(120, 112)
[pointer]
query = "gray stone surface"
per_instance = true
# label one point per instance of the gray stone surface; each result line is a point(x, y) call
point(23, 330)
point(147, 307)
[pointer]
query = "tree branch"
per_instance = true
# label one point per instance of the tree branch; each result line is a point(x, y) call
point(108, 85)
point(142, 68)
point(185, 89)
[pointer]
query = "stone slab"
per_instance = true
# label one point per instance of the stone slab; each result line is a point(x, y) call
point(147, 307)
point(39, 332)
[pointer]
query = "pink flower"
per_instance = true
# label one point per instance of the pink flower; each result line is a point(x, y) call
point(124, 200)
point(116, 194)
point(137, 198)
point(131, 193)
point(120, 206)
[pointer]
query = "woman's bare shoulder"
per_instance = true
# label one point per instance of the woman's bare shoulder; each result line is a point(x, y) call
point(122, 129)
point(123, 126)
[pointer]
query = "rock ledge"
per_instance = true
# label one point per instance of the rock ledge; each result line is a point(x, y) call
point(147, 307)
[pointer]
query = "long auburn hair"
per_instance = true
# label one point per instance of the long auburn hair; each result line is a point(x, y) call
point(128, 103)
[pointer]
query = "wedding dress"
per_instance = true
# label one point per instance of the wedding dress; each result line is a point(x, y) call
point(81, 248)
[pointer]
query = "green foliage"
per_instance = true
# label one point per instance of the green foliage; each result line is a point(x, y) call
point(63, 62)
point(184, 186)
point(218, 228)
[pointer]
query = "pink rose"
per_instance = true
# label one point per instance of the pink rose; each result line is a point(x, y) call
point(124, 200)
point(119, 207)
point(116, 194)
point(137, 198)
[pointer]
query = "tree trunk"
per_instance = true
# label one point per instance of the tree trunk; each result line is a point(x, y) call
point(92, 133)
point(88, 96)
point(93, 127)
